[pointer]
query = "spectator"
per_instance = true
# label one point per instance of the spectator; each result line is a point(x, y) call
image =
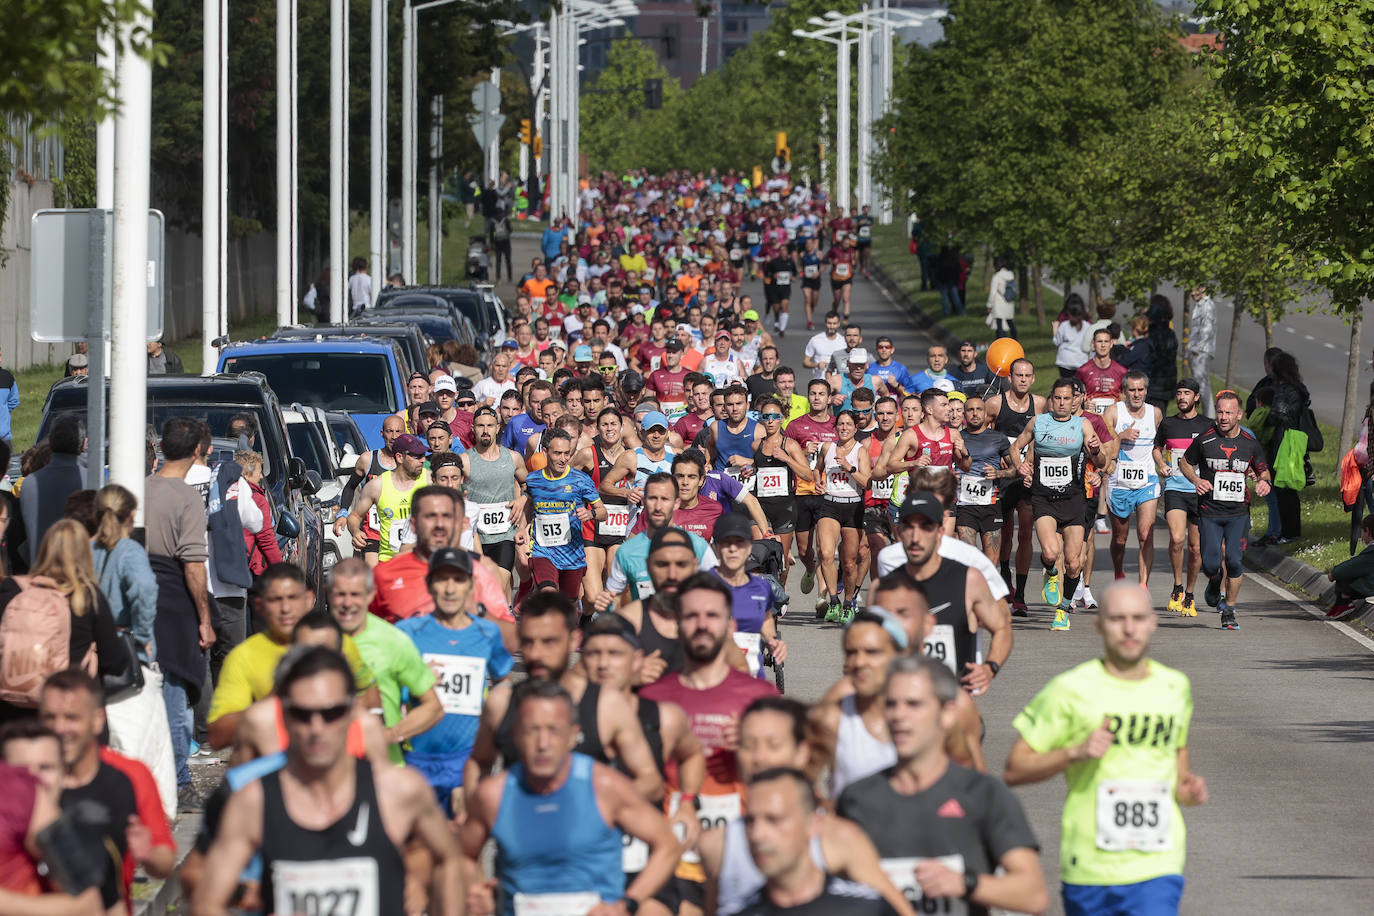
point(1163, 370)
point(1002, 296)
point(1355, 577)
point(1266, 384)
point(122, 569)
point(175, 525)
point(1287, 413)
point(6, 512)
point(162, 361)
point(111, 796)
point(948, 270)
point(262, 546)
point(82, 349)
point(1202, 343)
point(1106, 315)
point(63, 565)
point(78, 364)
point(42, 501)
point(9, 402)
point(359, 287)
point(1137, 355)
point(1070, 335)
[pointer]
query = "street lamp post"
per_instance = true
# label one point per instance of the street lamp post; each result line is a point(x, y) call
point(377, 238)
point(338, 161)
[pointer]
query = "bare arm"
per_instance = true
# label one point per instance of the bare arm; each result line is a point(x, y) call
point(433, 831)
point(632, 814)
point(198, 584)
point(1020, 885)
point(357, 513)
point(631, 746)
point(417, 719)
point(239, 837)
point(848, 850)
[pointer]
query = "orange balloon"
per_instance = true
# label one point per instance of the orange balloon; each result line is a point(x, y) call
point(1002, 353)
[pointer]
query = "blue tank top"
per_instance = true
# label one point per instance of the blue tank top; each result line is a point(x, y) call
point(644, 465)
point(1058, 455)
point(728, 443)
point(556, 843)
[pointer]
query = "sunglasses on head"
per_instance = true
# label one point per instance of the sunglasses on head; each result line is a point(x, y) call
point(305, 714)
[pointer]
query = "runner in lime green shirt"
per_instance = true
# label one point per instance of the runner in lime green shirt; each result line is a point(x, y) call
point(1117, 727)
point(390, 654)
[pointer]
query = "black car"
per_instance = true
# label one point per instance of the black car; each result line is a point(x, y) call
point(218, 399)
point(469, 303)
point(437, 323)
point(411, 337)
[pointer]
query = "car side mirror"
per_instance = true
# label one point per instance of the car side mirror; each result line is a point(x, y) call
point(313, 482)
point(295, 473)
point(288, 526)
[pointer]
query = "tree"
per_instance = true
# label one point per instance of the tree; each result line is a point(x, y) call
point(618, 132)
point(1298, 138)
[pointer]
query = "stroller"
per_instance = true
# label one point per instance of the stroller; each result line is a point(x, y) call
point(479, 258)
point(767, 560)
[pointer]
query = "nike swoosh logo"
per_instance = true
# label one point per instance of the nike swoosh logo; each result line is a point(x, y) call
point(939, 607)
point(358, 835)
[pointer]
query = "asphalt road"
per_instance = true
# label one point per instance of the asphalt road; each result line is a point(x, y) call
point(1319, 340)
point(1280, 729)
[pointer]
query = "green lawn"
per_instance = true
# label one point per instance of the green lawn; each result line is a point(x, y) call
point(1325, 523)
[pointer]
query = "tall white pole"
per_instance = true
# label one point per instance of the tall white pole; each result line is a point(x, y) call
point(377, 205)
point(338, 161)
point(865, 36)
point(107, 57)
point(493, 152)
point(574, 92)
point(540, 93)
point(843, 140)
point(129, 370)
point(214, 181)
point(553, 145)
point(408, 144)
point(286, 162)
point(705, 34)
point(884, 101)
point(436, 224)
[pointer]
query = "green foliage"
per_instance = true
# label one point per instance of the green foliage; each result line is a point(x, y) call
point(1298, 135)
point(618, 132)
point(77, 186)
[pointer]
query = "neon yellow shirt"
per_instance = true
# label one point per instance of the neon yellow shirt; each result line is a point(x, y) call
point(1121, 824)
point(396, 663)
point(247, 674)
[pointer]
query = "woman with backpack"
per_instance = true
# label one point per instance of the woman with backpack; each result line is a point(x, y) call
point(54, 618)
point(1002, 296)
point(122, 568)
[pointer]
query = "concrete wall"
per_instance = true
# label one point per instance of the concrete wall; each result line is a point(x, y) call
point(250, 288)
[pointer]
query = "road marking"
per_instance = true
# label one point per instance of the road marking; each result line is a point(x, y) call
point(1329, 345)
point(1290, 330)
point(1308, 337)
point(1316, 612)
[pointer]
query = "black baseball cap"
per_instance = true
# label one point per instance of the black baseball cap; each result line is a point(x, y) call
point(451, 558)
point(612, 624)
point(671, 537)
point(1189, 383)
point(631, 381)
point(923, 503)
point(672, 343)
point(733, 525)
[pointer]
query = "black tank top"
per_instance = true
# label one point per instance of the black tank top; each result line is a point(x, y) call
point(648, 714)
point(589, 742)
point(1011, 422)
point(295, 861)
point(762, 461)
point(650, 639)
point(376, 468)
point(949, 606)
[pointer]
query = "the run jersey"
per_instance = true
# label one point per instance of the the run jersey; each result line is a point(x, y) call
point(723, 372)
point(1172, 438)
point(966, 820)
point(1224, 463)
point(1135, 461)
point(838, 898)
point(670, 387)
point(839, 483)
point(1121, 824)
point(811, 266)
point(986, 449)
point(617, 510)
point(839, 228)
point(940, 448)
point(979, 380)
point(841, 264)
point(557, 533)
point(806, 429)
point(645, 465)
point(650, 357)
point(371, 527)
point(462, 661)
point(896, 376)
point(1058, 446)
point(689, 426)
point(730, 443)
point(1103, 385)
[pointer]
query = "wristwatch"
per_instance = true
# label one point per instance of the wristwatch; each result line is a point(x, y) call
point(994, 668)
point(970, 883)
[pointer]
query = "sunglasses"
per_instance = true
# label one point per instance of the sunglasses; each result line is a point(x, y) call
point(770, 417)
point(304, 715)
point(606, 370)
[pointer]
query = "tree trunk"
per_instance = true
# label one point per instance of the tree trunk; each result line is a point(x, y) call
point(1268, 325)
point(987, 265)
point(1036, 292)
point(1236, 313)
point(1350, 418)
point(1185, 323)
point(1024, 283)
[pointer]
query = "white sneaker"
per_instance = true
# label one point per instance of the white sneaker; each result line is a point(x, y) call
point(1102, 527)
point(1078, 592)
point(1088, 600)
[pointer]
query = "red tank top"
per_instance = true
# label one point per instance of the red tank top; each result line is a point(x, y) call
point(941, 449)
point(18, 872)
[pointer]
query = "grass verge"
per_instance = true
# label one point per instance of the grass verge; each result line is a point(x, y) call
point(1325, 537)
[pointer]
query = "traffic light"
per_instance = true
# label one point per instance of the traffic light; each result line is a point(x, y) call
point(537, 147)
point(782, 156)
point(653, 94)
point(526, 131)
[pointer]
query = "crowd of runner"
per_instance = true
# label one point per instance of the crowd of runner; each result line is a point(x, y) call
point(620, 505)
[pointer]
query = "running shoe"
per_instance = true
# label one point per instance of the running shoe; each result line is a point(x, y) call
point(1188, 607)
point(850, 609)
point(1101, 526)
point(1078, 592)
point(1228, 618)
point(1061, 619)
point(1050, 590)
point(811, 325)
point(1088, 600)
point(808, 581)
point(1213, 593)
point(1343, 609)
point(834, 613)
point(1176, 600)
point(1019, 609)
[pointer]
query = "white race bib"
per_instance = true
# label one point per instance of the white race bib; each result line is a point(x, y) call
point(976, 491)
point(1134, 814)
point(865, 232)
point(553, 530)
point(811, 271)
point(1056, 472)
point(644, 587)
point(712, 811)
point(460, 681)
point(490, 518)
point(373, 521)
point(939, 645)
point(617, 521)
point(1228, 487)
point(772, 481)
point(882, 488)
point(752, 646)
point(782, 278)
point(338, 887)
point(1174, 455)
point(842, 271)
point(1131, 475)
point(902, 874)
point(634, 854)
point(1099, 405)
point(752, 238)
point(575, 904)
point(736, 254)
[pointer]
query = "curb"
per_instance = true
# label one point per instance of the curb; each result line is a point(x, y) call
point(155, 898)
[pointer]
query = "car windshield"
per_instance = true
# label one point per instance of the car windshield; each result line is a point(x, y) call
point(347, 434)
point(246, 420)
point(470, 307)
point(356, 382)
point(307, 446)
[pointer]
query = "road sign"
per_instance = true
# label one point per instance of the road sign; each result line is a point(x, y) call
point(486, 121)
point(73, 275)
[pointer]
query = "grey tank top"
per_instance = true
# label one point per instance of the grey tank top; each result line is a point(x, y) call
point(857, 753)
point(490, 483)
point(739, 877)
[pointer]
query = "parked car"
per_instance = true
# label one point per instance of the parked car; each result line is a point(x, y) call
point(467, 302)
point(411, 338)
point(313, 442)
point(364, 376)
point(497, 309)
point(438, 324)
point(218, 399)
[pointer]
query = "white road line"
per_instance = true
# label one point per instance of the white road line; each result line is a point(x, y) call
point(1312, 609)
point(1308, 337)
point(1290, 330)
point(1329, 345)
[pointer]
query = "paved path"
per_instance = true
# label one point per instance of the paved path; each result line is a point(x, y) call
point(1281, 728)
